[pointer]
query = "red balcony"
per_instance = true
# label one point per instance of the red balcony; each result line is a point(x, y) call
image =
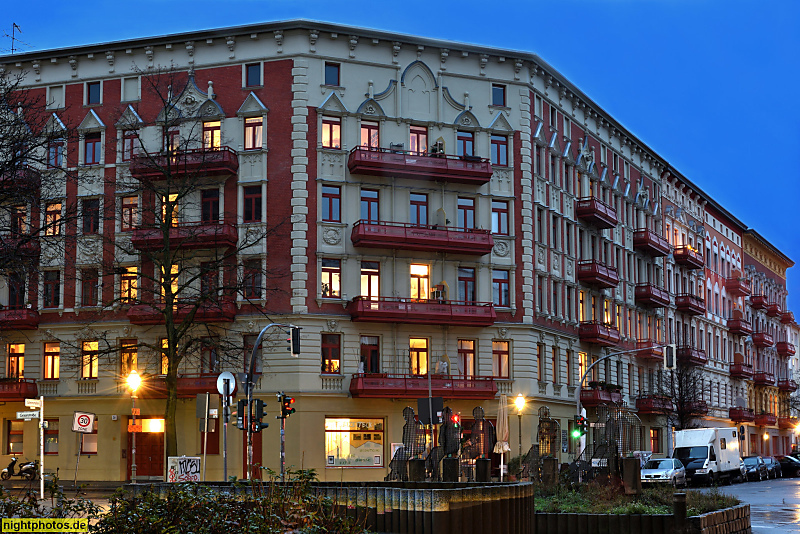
point(787, 423)
point(595, 397)
point(189, 385)
point(651, 404)
point(739, 286)
point(649, 242)
point(774, 309)
point(740, 327)
point(401, 236)
point(597, 274)
point(648, 350)
point(387, 386)
point(688, 257)
point(787, 385)
point(413, 311)
point(763, 378)
point(785, 348)
point(766, 419)
point(17, 389)
point(758, 302)
point(762, 340)
point(651, 295)
point(787, 317)
point(596, 212)
point(19, 319)
point(187, 236)
point(699, 407)
point(598, 333)
point(742, 370)
point(690, 304)
point(24, 181)
point(741, 415)
point(221, 311)
point(404, 164)
point(21, 247)
point(199, 161)
point(689, 355)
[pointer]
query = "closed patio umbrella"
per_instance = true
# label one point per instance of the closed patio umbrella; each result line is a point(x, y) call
point(502, 447)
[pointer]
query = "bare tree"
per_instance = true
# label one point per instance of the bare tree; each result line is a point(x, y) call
point(678, 396)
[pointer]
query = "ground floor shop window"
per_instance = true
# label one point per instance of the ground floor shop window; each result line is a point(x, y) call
point(655, 440)
point(14, 437)
point(51, 437)
point(353, 442)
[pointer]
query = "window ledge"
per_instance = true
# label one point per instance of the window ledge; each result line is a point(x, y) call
point(502, 108)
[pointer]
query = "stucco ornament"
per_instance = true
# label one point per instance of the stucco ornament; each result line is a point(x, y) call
point(332, 236)
point(333, 325)
point(501, 249)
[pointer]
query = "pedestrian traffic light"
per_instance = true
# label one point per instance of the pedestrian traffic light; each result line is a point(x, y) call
point(293, 340)
point(669, 357)
point(580, 427)
point(584, 424)
point(456, 419)
point(286, 406)
point(240, 409)
point(257, 414)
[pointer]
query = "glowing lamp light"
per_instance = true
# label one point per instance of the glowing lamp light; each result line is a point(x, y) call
point(766, 436)
point(519, 402)
point(134, 381)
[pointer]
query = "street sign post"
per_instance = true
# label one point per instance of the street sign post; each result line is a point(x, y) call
point(82, 423)
point(33, 403)
point(28, 415)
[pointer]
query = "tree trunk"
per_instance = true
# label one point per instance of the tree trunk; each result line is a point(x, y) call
point(171, 438)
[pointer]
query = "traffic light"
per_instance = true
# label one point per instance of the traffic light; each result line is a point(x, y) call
point(286, 406)
point(456, 419)
point(669, 357)
point(580, 428)
point(258, 414)
point(294, 341)
point(584, 424)
point(240, 407)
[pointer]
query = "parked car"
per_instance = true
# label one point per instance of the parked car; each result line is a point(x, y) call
point(790, 466)
point(661, 470)
point(756, 468)
point(773, 467)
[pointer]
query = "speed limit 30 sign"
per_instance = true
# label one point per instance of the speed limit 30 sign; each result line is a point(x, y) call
point(83, 422)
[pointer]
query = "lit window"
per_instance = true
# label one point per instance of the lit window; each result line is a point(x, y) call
point(52, 357)
point(500, 357)
point(169, 210)
point(331, 278)
point(331, 353)
point(14, 437)
point(164, 356)
point(501, 295)
point(253, 74)
point(419, 140)
point(92, 146)
point(331, 132)
point(370, 279)
point(418, 355)
point(89, 359)
point(128, 356)
point(420, 281)
point(16, 360)
point(129, 206)
point(52, 219)
point(212, 135)
point(252, 204)
point(252, 133)
point(331, 202)
point(354, 442)
point(332, 74)
point(500, 217)
point(498, 95)
point(92, 93)
point(499, 150)
point(128, 285)
point(369, 135)
point(466, 358)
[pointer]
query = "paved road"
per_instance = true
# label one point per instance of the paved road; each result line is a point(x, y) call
point(774, 504)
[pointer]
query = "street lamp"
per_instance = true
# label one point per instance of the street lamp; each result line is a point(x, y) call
point(519, 402)
point(134, 381)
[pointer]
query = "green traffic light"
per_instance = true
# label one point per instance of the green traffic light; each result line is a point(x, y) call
point(576, 433)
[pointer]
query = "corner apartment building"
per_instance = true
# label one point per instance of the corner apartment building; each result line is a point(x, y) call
point(459, 218)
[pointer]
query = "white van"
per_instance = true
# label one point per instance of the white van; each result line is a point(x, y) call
point(710, 455)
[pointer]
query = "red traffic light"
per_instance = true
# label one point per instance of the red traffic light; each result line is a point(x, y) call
point(456, 419)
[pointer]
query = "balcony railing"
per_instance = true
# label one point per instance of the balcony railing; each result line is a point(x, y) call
point(595, 397)
point(651, 295)
point(741, 415)
point(598, 333)
point(774, 309)
point(402, 236)
point(785, 348)
point(766, 419)
point(650, 404)
point(198, 235)
point(390, 386)
point(651, 243)
point(689, 355)
point(649, 351)
point(199, 161)
point(787, 317)
point(19, 319)
point(17, 389)
point(741, 327)
point(787, 384)
point(739, 286)
point(210, 311)
point(688, 257)
point(742, 371)
point(698, 407)
point(764, 378)
point(762, 340)
point(405, 164)
point(758, 302)
point(188, 385)
point(596, 212)
point(421, 311)
point(690, 304)
point(787, 423)
point(597, 274)
point(24, 180)
point(23, 247)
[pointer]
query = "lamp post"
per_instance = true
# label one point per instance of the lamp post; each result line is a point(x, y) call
point(134, 381)
point(519, 402)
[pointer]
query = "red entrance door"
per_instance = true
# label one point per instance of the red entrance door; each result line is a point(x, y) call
point(149, 454)
point(256, 454)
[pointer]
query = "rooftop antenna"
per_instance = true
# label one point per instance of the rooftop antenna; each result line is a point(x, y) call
point(14, 29)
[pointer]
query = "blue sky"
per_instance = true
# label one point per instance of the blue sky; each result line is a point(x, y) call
point(710, 85)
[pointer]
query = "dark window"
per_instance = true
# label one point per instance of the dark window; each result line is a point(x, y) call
point(466, 284)
point(331, 278)
point(419, 140)
point(52, 289)
point(500, 288)
point(92, 145)
point(208, 356)
point(16, 291)
point(466, 213)
point(500, 356)
point(14, 437)
point(55, 153)
point(370, 137)
point(253, 74)
point(331, 353)
point(332, 74)
point(370, 355)
point(331, 202)
point(253, 133)
point(465, 143)
point(498, 95)
point(51, 437)
point(17, 223)
point(91, 216)
point(130, 144)
point(500, 217)
point(209, 280)
point(419, 209)
point(369, 205)
point(499, 150)
point(466, 358)
point(89, 278)
point(210, 200)
point(252, 279)
point(93, 93)
point(252, 204)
